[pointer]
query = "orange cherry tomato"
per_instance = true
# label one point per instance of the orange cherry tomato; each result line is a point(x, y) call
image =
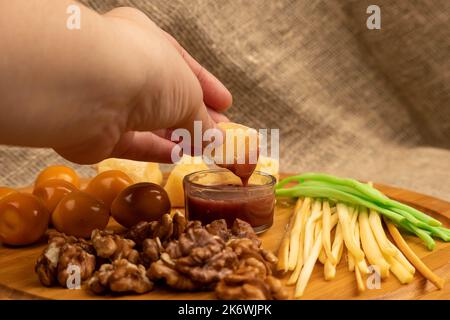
point(58, 172)
point(23, 219)
point(4, 191)
point(140, 202)
point(107, 185)
point(79, 213)
point(52, 191)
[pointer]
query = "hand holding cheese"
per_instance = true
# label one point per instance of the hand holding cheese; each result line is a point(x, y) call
point(240, 150)
point(110, 88)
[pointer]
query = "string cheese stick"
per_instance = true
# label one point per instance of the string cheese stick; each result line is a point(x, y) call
point(322, 256)
point(345, 222)
point(333, 221)
point(326, 232)
point(315, 229)
point(307, 238)
point(309, 265)
point(370, 245)
point(350, 261)
point(412, 257)
point(336, 250)
point(300, 260)
point(283, 251)
point(359, 280)
point(404, 272)
point(402, 259)
point(353, 215)
point(362, 265)
point(341, 250)
point(380, 235)
point(399, 271)
point(329, 271)
point(316, 213)
point(300, 256)
point(295, 233)
point(293, 227)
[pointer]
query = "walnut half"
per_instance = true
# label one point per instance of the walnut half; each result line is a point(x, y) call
point(269, 288)
point(166, 229)
point(47, 264)
point(62, 252)
point(253, 279)
point(113, 247)
point(173, 278)
point(120, 276)
point(73, 254)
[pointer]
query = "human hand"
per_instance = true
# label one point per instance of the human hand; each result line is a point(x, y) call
point(174, 94)
point(115, 92)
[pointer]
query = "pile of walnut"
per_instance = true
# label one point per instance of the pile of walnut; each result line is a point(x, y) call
point(184, 255)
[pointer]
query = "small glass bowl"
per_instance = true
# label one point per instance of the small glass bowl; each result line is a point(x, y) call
point(219, 194)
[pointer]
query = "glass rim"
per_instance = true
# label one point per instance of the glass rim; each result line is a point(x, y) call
point(272, 181)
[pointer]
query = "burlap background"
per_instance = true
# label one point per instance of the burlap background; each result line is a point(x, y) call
point(368, 104)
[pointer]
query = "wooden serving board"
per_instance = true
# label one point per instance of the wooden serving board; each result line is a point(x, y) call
point(18, 280)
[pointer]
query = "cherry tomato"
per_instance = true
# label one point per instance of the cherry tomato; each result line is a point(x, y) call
point(107, 185)
point(79, 213)
point(140, 202)
point(58, 172)
point(52, 191)
point(23, 219)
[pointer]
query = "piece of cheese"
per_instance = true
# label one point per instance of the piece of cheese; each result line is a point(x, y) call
point(244, 144)
point(138, 171)
point(174, 184)
point(268, 165)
